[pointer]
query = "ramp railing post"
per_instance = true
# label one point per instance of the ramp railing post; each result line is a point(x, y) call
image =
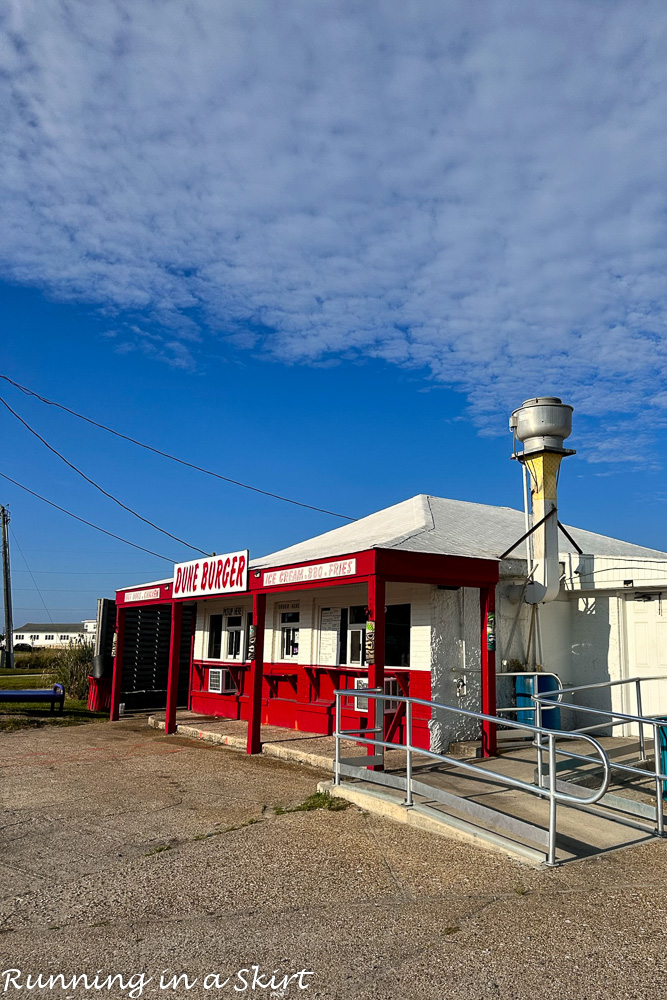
point(379, 726)
point(408, 748)
point(538, 735)
point(638, 689)
point(659, 782)
point(551, 860)
point(337, 737)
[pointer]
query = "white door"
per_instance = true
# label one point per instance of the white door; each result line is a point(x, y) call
point(647, 653)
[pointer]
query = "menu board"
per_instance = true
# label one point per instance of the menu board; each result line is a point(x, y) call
point(329, 636)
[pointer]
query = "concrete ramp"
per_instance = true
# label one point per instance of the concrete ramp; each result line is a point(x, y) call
point(452, 801)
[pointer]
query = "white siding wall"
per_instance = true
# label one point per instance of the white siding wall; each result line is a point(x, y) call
point(589, 572)
point(582, 639)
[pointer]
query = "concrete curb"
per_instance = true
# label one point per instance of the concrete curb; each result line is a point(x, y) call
point(200, 734)
point(236, 743)
point(422, 817)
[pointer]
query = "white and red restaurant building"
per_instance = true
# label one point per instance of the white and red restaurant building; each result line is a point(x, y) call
point(413, 599)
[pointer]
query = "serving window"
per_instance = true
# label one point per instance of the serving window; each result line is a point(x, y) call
point(353, 620)
point(226, 635)
point(356, 634)
point(397, 635)
point(289, 634)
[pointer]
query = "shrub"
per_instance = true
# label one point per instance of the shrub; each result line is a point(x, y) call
point(36, 659)
point(71, 667)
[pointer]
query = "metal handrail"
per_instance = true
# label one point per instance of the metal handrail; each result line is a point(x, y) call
point(637, 681)
point(613, 718)
point(605, 684)
point(551, 792)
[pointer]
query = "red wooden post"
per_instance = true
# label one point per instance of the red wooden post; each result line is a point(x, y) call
point(191, 668)
point(376, 603)
point(118, 664)
point(487, 604)
point(256, 674)
point(174, 663)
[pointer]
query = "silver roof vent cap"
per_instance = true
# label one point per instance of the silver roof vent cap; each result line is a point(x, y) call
point(542, 424)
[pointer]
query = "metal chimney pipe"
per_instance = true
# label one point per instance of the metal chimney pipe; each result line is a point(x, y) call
point(542, 424)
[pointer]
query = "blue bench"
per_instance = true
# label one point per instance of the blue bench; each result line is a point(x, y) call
point(54, 695)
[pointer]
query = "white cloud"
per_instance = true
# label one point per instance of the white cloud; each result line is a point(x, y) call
point(474, 187)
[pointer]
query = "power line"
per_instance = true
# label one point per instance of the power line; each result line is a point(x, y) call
point(172, 458)
point(83, 520)
point(36, 607)
point(96, 485)
point(56, 590)
point(29, 571)
point(73, 572)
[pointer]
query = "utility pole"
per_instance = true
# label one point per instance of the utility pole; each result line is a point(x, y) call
point(7, 586)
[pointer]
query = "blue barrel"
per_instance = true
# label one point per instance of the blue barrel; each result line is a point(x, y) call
point(662, 736)
point(536, 684)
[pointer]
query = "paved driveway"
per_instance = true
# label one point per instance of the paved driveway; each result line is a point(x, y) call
point(128, 852)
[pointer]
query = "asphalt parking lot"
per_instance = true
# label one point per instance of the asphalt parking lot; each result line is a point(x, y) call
point(130, 853)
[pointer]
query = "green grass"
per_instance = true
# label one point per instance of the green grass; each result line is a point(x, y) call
point(33, 715)
point(38, 659)
point(158, 850)
point(226, 829)
point(8, 672)
point(36, 679)
point(320, 800)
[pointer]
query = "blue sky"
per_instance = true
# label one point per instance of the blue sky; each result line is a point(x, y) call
point(324, 248)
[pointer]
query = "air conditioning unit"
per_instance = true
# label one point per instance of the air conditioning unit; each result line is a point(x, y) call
point(221, 681)
point(215, 681)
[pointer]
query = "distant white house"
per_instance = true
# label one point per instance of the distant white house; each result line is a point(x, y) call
point(55, 634)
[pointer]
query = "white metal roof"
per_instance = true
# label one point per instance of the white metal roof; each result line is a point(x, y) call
point(446, 527)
